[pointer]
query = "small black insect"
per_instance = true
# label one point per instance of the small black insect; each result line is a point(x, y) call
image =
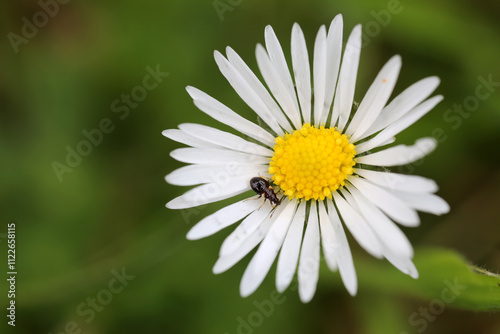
point(262, 187)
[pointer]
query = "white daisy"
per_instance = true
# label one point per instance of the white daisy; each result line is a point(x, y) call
point(322, 157)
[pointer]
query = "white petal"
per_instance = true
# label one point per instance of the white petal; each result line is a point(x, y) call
point(394, 181)
point(401, 154)
point(399, 125)
point(387, 202)
point(344, 256)
point(319, 72)
point(254, 274)
point(245, 92)
point(277, 87)
point(222, 219)
point(388, 232)
point(224, 139)
point(333, 56)
point(278, 59)
point(257, 87)
point(395, 246)
point(357, 225)
point(309, 258)
point(302, 72)
point(197, 174)
point(183, 138)
point(344, 94)
point(245, 229)
point(328, 238)
point(215, 156)
point(387, 142)
point(375, 99)
point(226, 262)
point(289, 255)
point(223, 114)
point(268, 250)
point(403, 103)
point(424, 202)
point(404, 264)
point(211, 192)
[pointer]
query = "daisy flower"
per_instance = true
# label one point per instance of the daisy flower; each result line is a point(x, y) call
point(325, 157)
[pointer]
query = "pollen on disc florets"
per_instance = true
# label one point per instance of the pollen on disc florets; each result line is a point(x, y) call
point(312, 162)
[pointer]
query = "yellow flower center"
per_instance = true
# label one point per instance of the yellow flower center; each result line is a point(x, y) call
point(312, 162)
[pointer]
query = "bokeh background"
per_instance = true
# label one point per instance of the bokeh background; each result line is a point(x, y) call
point(107, 215)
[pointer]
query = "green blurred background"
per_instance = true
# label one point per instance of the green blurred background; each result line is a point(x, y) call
point(108, 214)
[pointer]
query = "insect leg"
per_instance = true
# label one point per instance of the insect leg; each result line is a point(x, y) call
point(252, 199)
point(272, 211)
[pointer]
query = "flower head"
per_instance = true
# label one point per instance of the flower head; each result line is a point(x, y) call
point(323, 156)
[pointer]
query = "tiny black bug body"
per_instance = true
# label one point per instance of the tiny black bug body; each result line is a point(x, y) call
point(261, 187)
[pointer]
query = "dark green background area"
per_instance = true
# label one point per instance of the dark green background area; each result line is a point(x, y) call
point(109, 214)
